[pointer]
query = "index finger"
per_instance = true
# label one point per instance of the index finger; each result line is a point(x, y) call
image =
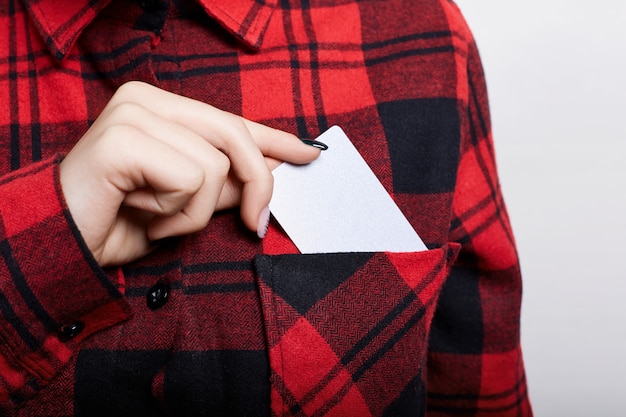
point(225, 131)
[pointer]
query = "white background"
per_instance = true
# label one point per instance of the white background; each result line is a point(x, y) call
point(556, 74)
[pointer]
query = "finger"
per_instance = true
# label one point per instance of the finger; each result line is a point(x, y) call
point(284, 146)
point(223, 130)
point(272, 142)
point(202, 204)
point(130, 227)
point(196, 214)
point(161, 180)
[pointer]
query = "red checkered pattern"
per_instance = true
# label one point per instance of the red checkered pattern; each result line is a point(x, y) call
point(253, 327)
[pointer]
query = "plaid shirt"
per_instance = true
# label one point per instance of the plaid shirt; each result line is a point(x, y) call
point(219, 322)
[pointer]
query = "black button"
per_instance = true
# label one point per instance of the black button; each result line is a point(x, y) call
point(150, 5)
point(158, 295)
point(70, 331)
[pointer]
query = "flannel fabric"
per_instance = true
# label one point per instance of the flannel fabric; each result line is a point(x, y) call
point(219, 322)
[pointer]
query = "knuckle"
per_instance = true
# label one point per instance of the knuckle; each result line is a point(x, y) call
point(196, 218)
point(118, 134)
point(232, 129)
point(130, 90)
point(195, 181)
point(119, 143)
point(189, 182)
point(127, 112)
point(219, 165)
point(201, 221)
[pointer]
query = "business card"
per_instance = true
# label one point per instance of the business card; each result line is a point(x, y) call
point(337, 204)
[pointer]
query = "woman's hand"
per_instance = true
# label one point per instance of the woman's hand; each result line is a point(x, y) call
point(155, 164)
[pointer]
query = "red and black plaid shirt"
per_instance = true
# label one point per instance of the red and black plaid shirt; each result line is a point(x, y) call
point(219, 322)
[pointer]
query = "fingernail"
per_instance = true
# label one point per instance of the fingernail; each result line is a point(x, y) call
point(315, 143)
point(264, 222)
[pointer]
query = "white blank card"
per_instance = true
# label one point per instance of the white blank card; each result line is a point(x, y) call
point(336, 204)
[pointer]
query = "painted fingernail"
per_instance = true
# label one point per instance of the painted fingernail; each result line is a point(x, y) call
point(315, 143)
point(264, 222)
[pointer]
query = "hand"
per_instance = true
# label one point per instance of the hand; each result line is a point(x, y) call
point(155, 164)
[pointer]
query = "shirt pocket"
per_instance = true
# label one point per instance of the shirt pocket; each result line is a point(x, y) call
point(347, 333)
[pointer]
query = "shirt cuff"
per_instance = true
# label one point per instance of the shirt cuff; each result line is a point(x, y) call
point(53, 294)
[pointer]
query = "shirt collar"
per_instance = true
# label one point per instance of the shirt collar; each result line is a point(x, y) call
point(246, 19)
point(60, 22)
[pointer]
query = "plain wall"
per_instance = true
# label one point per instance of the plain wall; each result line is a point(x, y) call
point(556, 74)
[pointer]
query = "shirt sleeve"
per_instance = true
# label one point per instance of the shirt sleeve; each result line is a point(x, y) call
point(53, 294)
point(475, 364)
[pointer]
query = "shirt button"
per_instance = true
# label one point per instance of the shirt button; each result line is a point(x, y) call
point(70, 331)
point(150, 5)
point(158, 296)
